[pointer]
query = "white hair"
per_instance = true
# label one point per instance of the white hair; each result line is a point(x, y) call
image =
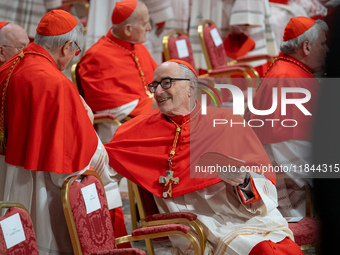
point(291, 46)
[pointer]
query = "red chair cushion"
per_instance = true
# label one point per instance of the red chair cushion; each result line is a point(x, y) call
point(217, 55)
point(174, 53)
point(28, 246)
point(160, 229)
point(174, 215)
point(306, 231)
point(95, 230)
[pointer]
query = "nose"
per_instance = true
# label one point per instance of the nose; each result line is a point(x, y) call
point(159, 90)
point(148, 27)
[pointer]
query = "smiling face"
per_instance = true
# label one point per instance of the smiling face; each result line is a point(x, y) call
point(175, 100)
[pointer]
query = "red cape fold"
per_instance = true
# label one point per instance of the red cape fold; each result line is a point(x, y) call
point(47, 126)
point(285, 73)
point(140, 148)
point(108, 84)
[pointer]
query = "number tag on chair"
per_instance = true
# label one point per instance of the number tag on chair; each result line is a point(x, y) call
point(12, 230)
point(91, 199)
point(216, 37)
point(182, 48)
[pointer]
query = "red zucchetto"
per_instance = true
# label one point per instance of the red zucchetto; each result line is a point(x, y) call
point(2, 24)
point(183, 63)
point(238, 45)
point(123, 10)
point(56, 22)
point(297, 26)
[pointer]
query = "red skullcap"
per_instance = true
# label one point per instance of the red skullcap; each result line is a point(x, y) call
point(238, 45)
point(297, 26)
point(56, 22)
point(183, 63)
point(123, 10)
point(2, 24)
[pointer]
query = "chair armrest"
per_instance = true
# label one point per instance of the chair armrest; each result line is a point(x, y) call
point(162, 231)
point(177, 218)
point(106, 117)
point(254, 58)
point(174, 215)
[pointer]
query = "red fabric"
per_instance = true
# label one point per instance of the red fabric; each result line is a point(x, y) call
point(216, 54)
point(119, 225)
point(149, 201)
point(160, 24)
point(173, 52)
point(174, 215)
point(29, 245)
point(56, 22)
point(95, 231)
point(47, 126)
point(279, 1)
point(306, 231)
point(123, 10)
point(107, 83)
point(160, 229)
point(238, 45)
point(284, 73)
point(148, 140)
point(285, 247)
point(297, 26)
point(2, 24)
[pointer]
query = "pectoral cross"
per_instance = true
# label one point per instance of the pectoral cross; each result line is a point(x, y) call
point(168, 181)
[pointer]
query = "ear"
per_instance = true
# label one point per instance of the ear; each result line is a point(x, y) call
point(193, 88)
point(306, 47)
point(66, 48)
point(2, 55)
point(128, 30)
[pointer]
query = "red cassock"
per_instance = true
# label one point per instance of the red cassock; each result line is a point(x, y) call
point(46, 123)
point(140, 148)
point(110, 75)
point(286, 72)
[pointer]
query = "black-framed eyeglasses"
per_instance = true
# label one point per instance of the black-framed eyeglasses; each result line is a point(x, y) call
point(78, 51)
point(165, 83)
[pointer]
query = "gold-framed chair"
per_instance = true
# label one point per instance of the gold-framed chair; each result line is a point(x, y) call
point(19, 226)
point(307, 231)
point(89, 223)
point(149, 216)
point(176, 45)
point(215, 55)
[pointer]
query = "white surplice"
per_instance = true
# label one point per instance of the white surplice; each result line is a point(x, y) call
point(40, 193)
point(232, 227)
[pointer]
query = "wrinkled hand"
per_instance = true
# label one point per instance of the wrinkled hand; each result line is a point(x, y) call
point(226, 168)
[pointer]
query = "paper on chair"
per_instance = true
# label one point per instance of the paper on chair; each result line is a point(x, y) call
point(91, 199)
point(182, 48)
point(12, 230)
point(216, 37)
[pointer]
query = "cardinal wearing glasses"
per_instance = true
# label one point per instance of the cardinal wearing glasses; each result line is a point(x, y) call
point(46, 134)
